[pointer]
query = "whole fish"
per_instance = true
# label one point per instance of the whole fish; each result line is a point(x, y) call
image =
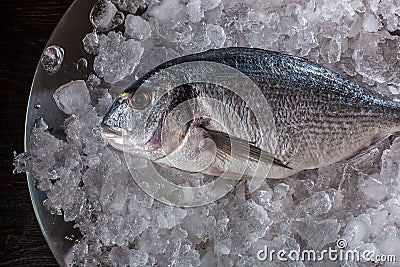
point(315, 117)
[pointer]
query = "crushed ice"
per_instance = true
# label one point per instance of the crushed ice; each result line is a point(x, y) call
point(87, 182)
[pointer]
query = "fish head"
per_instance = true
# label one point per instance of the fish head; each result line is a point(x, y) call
point(147, 122)
point(183, 129)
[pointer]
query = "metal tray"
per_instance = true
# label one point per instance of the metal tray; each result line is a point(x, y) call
point(68, 34)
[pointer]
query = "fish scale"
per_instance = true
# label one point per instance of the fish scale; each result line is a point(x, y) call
point(320, 117)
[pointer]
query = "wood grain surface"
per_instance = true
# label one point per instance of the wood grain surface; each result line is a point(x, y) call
point(26, 26)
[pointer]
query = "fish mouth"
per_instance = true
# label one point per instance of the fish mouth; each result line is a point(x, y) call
point(110, 131)
point(111, 134)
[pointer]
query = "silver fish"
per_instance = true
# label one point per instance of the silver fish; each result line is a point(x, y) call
point(309, 116)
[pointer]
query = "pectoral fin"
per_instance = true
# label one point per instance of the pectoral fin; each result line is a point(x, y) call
point(242, 148)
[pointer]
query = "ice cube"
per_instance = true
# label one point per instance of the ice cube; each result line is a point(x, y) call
point(20, 161)
point(117, 57)
point(118, 199)
point(104, 103)
point(72, 204)
point(52, 59)
point(126, 5)
point(250, 223)
point(318, 204)
point(91, 43)
point(104, 16)
point(171, 217)
point(120, 256)
point(280, 190)
point(138, 259)
point(216, 34)
point(263, 196)
point(73, 97)
point(356, 230)
point(166, 10)
point(390, 167)
point(93, 81)
point(209, 259)
point(223, 247)
point(371, 23)
point(199, 230)
point(171, 54)
point(373, 188)
point(318, 233)
point(41, 123)
point(194, 10)
point(335, 50)
point(210, 4)
point(137, 28)
point(151, 59)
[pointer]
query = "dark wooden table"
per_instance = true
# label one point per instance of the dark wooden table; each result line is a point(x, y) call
point(26, 26)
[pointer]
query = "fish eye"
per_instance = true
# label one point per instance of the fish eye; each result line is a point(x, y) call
point(140, 100)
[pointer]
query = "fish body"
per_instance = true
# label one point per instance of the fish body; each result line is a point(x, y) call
point(318, 117)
